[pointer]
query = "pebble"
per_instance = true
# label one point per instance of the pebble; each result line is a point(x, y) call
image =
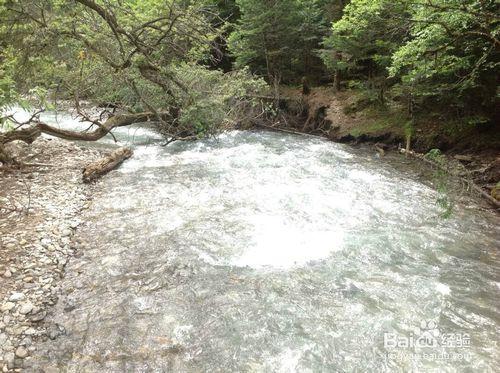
point(66, 232)
point(35, 278)
point(39, 316)
point(7, 306)
point(21, 352)
point(9, 359)
point(45, 242)
point(30, 331)
point(51, 370)
point(16, 297)
point(26, 308)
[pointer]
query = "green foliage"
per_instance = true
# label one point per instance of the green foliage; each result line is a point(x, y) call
point(214, 100)
point(443, 200)
point(277, 38)
point(8, 93)
point(366, 36)
point(451, 55)
point(434, 155)
point(428, 52)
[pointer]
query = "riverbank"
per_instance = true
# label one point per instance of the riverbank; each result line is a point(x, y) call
point(39, 213)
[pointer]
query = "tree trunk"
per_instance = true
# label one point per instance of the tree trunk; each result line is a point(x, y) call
point(28, 135)
point(408, 144)
point(337, 80)
point(102, 166)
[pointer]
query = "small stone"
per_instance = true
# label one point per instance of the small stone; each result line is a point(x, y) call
point(26, 308)
point(7, 306)
point(15, 297)
point(45, 242)
point(9, 359)
point(7, 274)
point(66, 232)
point(19, 330)
point(28, 279)
point(51, 370)
point(39, 316)
point(30, 331)
point(55, 330)
point(21, 352)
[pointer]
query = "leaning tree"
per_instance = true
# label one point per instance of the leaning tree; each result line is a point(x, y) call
point(139, 60)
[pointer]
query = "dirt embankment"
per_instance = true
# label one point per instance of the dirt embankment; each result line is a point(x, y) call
point(349, 117)
point(39, 212)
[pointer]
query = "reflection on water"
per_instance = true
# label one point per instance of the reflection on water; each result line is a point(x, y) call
point(264, 252)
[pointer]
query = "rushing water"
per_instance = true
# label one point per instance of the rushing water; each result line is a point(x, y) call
point(264, 252)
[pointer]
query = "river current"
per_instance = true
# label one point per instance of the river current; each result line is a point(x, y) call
point(268, 252)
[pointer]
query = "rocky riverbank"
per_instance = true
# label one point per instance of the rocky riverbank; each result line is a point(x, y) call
point(40, 207)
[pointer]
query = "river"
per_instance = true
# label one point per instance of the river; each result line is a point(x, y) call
point(268, 252)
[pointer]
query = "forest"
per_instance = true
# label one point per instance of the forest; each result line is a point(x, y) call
point(249, 185)
point(198, 66)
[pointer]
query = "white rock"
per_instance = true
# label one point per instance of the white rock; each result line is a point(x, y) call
point(30, 331)
point(26, 308)
point(17, 297)
point(21, 352)
point(45, 241)
point(7, 274)
point(7, 306)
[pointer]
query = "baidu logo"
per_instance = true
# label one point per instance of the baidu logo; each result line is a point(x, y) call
point(426, 335)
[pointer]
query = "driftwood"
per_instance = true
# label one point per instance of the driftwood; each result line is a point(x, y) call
point(102, 166)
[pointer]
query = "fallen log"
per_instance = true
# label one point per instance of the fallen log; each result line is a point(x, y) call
point(278, 129)
point(96, 169)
